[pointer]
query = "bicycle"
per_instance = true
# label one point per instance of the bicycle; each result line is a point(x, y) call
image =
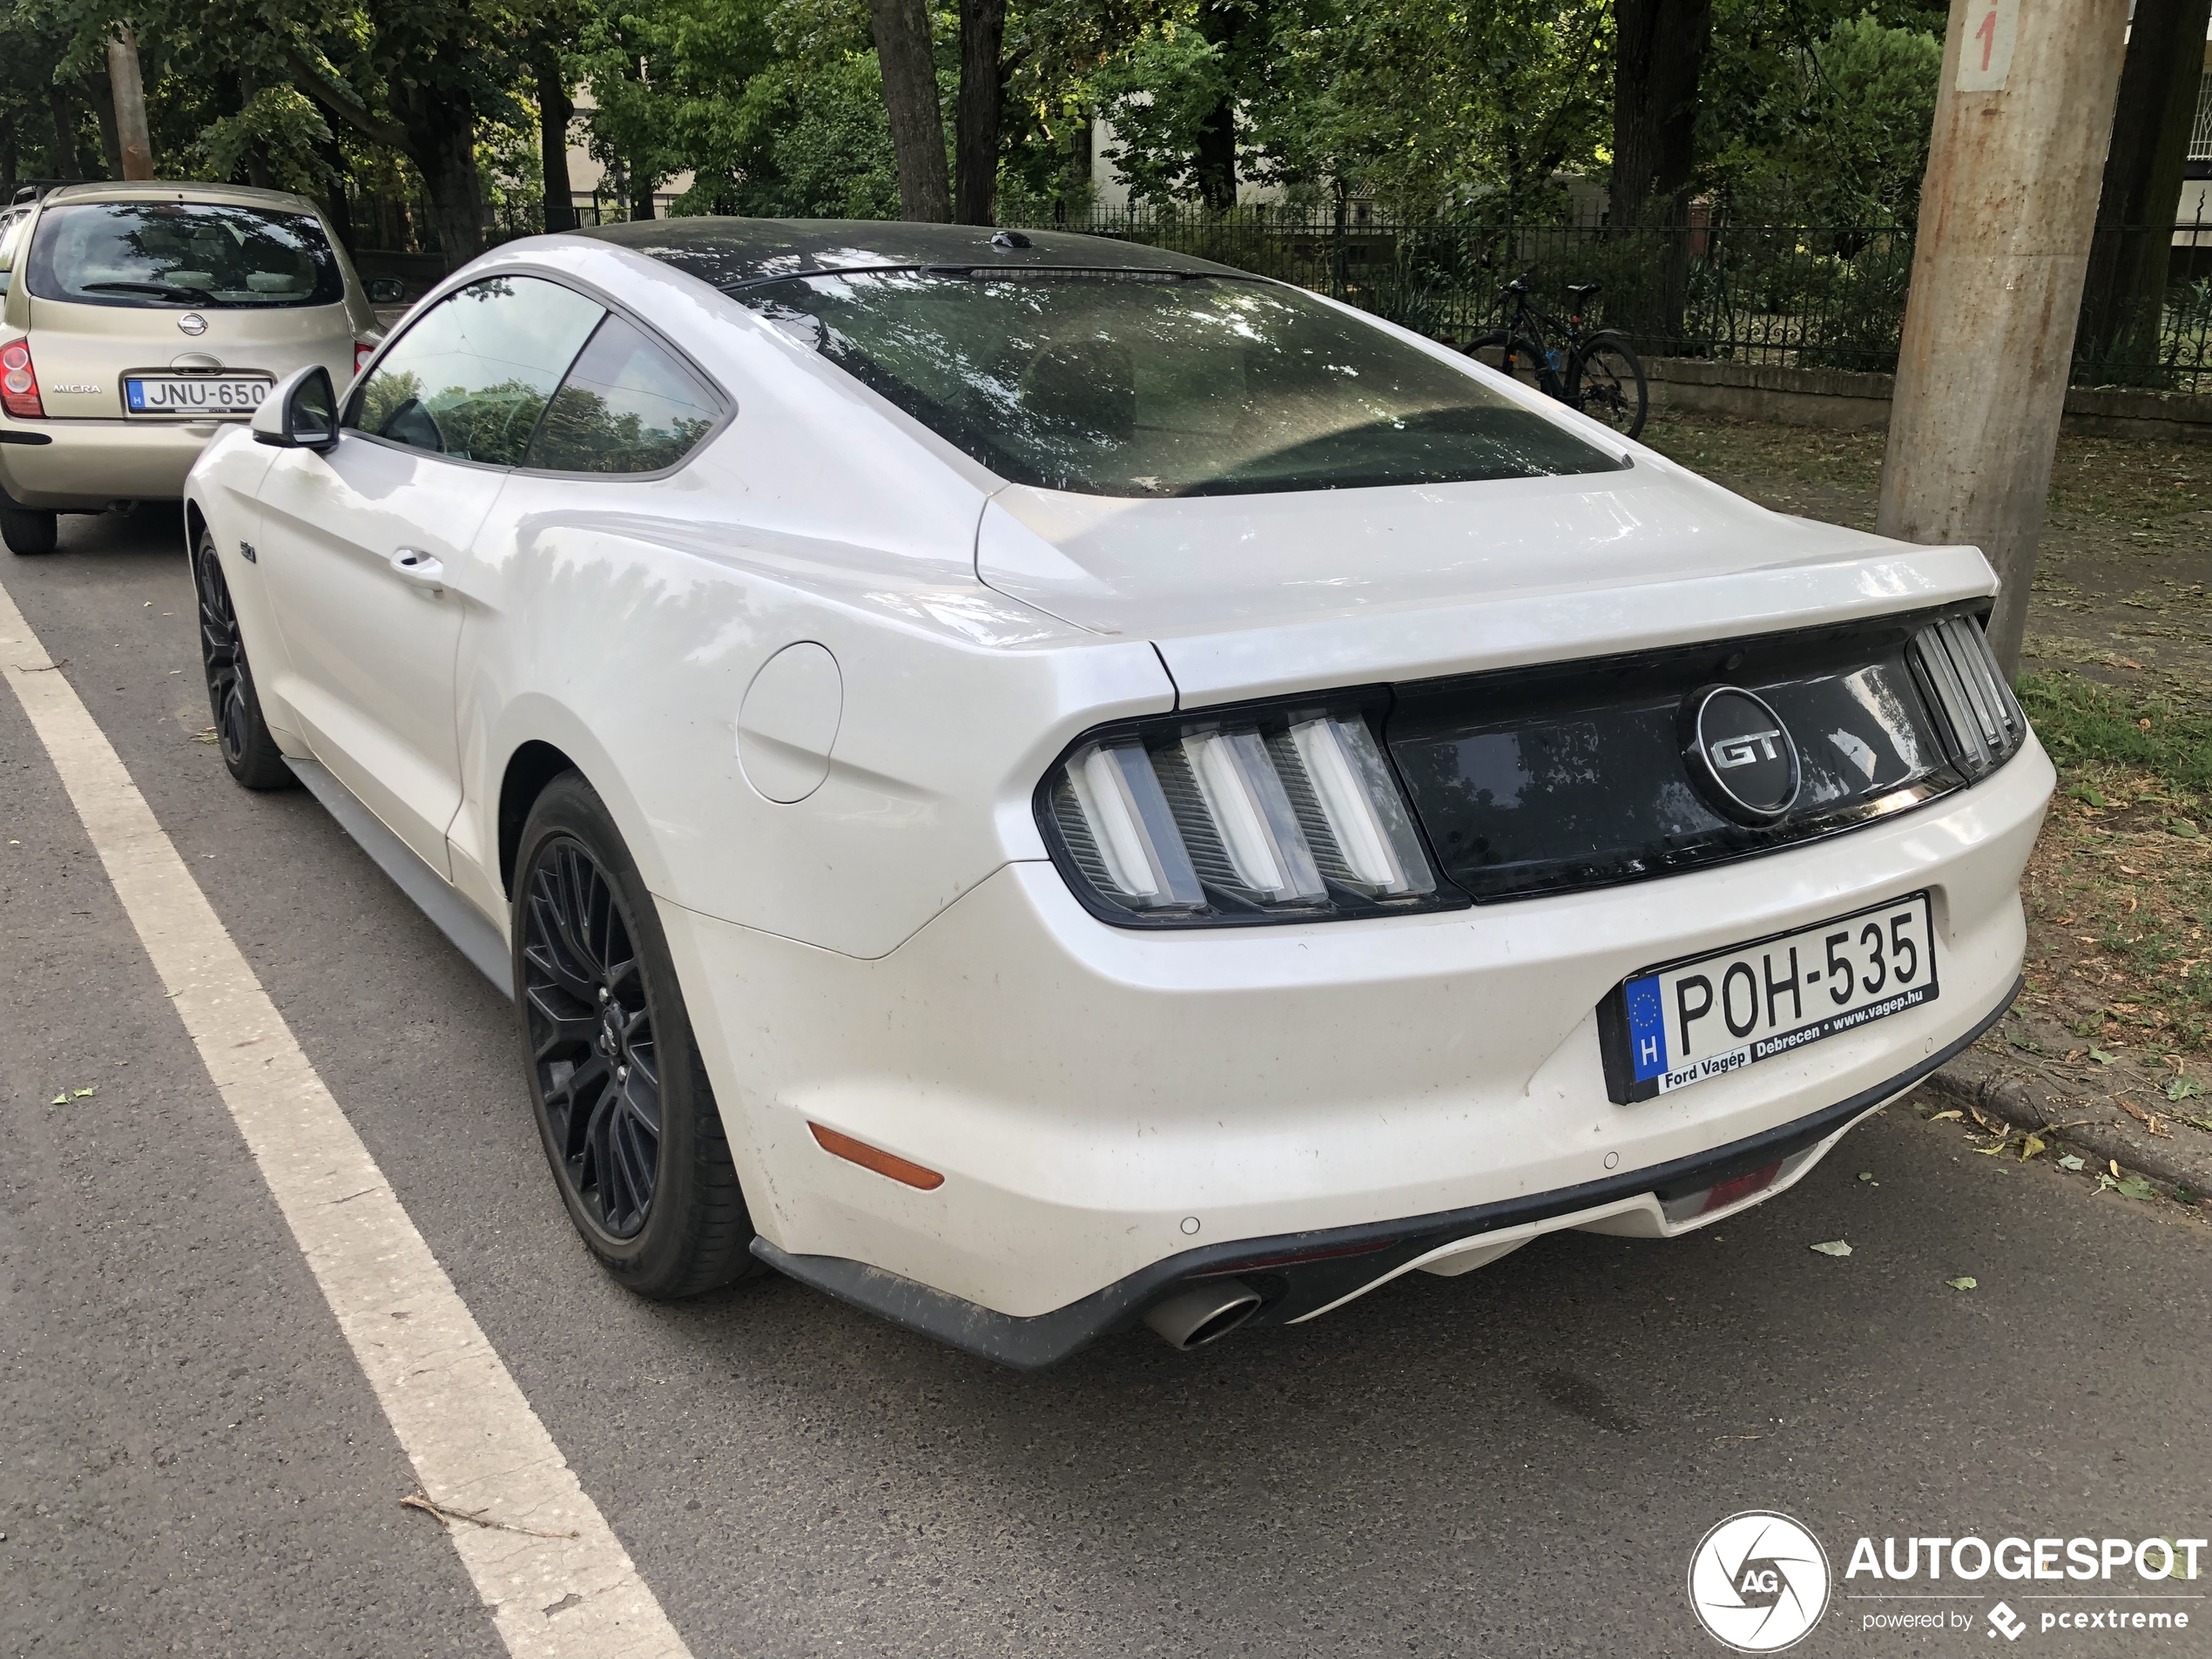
point(1598, 373)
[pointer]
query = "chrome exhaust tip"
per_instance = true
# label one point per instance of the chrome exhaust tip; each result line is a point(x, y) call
point(1205, 1313)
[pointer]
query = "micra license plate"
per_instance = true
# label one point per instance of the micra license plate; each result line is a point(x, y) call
point(193, 394)
point(1704, 1016)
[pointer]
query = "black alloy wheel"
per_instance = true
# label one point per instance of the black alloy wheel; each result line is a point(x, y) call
point(623, 1106)
point(596, 1063)
point(241, 736)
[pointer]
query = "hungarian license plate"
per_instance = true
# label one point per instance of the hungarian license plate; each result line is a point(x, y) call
point(1691, 1021)
point(193, 394)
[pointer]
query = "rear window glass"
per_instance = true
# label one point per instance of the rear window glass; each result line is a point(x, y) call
point(1117, 383)
point(182, 253)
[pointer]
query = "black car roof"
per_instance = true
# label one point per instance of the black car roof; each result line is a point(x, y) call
point(732, 253)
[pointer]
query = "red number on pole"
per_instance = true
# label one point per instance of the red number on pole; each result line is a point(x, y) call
point(1987, 34)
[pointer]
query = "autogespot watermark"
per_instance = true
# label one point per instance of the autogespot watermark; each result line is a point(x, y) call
point(2154, 1584)
point(1760, 1582)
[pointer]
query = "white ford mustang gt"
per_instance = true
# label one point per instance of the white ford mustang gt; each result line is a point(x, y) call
point(1035, 783)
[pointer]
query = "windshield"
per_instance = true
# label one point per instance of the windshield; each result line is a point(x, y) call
point(1120, 383)
point(181, 254)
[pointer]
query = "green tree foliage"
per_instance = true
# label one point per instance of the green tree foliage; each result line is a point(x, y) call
point(1831, 130)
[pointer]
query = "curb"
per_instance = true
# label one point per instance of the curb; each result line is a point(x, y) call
point(1973, 1081)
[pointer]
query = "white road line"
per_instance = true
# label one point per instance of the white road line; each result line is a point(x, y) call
point(476, 1444)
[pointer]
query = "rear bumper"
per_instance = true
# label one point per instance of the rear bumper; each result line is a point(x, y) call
point(1342, 1263)
point(1102, 1102)
point(84, 466)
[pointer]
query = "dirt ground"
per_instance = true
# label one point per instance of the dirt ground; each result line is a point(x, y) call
point(2117, 1020)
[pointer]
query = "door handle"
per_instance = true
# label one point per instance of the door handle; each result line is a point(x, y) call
point(418, 569)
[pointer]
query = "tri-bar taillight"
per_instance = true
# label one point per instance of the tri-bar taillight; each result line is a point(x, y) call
point(1281, 813)
point(1982, 723)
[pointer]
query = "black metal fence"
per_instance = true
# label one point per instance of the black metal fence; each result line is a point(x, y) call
point(1794, 296)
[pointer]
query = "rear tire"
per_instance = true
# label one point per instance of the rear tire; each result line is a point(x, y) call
point(240, 732)
point(28, 532)
point(624, 1107)
point(1609, 384)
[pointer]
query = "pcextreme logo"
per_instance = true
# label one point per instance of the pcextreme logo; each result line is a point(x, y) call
point(1758, 1582)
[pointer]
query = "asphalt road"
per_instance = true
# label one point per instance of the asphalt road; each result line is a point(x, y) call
point(1520, 1461)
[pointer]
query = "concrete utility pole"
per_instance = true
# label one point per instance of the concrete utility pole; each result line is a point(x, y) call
point(129, 104)
point(2021, 122)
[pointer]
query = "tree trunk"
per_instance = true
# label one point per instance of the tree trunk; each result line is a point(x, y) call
point(982, 87)
point(1660, 52)
point(11, 163)
point(555, 110)
point(909, 64)
point(442, 142)
point(63, 108)
point(134, 142)
point(335, 204)
point(2125, 293)
point(1214, 165)
point(101, 96)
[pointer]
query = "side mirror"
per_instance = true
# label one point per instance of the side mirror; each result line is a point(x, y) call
point(300, 412)
point(386, 291)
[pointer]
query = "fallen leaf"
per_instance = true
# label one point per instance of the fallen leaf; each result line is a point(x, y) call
point(2136, 1187)
point(2100, 1056)
point(82, 1093)
point(1866, 1175)
point(1963, 1282)
point(1992, 1151)
point(61, 1099)
point(2124, 663)
point(1940, 1116)
point(2090, 795)
point(2070, 1161)
point(2115, 1164)
point(2030, 1147)
point(1833, 1247)
point(2183, 1088)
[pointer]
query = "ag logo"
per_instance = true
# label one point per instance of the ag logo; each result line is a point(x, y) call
point(1759, 1582)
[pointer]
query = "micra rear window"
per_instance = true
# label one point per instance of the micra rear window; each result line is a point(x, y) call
point(192, 254)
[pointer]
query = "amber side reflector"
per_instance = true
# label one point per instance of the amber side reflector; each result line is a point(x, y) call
point(874, 1157)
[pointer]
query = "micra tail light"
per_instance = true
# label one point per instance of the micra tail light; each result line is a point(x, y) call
point(19, 382)
point(363, 350)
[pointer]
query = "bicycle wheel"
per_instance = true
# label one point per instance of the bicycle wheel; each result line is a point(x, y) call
point(1608, 381)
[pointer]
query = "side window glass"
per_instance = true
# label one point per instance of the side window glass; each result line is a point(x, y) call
point(627, 406)
point(472, 375)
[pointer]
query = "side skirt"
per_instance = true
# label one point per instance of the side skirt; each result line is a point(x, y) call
point(433, 894)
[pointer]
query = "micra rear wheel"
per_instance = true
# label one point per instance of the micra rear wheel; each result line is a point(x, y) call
point(1609, 384)
point(240, 733)
point(28, 531)
point(623, 1104)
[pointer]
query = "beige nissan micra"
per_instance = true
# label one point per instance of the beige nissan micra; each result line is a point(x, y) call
point(136, 319)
